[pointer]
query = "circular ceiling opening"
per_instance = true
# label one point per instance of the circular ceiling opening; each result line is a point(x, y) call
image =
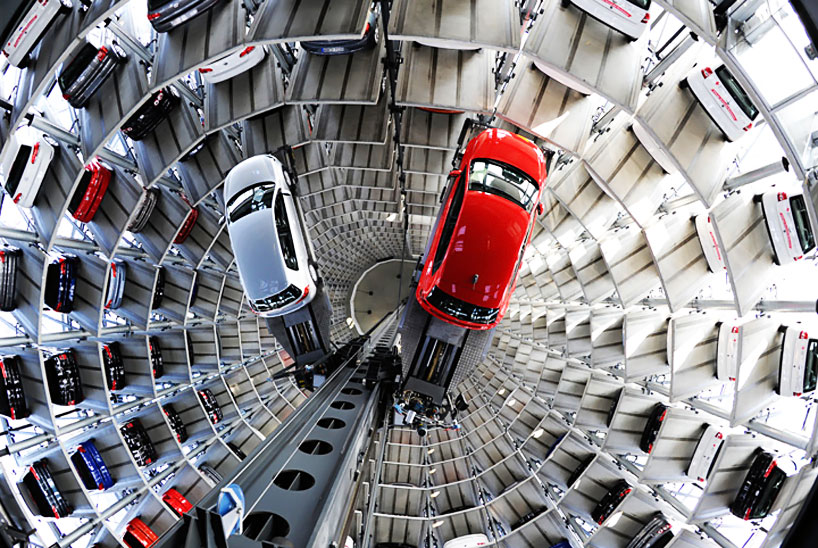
point(265, 526)
point(342, 405)
point(351, 391)
point(294, 480)
point(331, 423)
point(375, 293)
point(315, 447)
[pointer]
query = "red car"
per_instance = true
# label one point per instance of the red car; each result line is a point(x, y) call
point(139, 535)
point(177, 501)
point(187, 226)
point(91, 191)
point(483, 229)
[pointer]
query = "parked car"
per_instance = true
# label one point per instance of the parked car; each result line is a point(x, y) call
point(655, 534)
point(151, 113)
point(798, 367)
point(166, 15)
point(468, 541)
point(159, 288)
point(629, 17)
point(727, 351)
point(581, 467)
point(710, 246)
point(610, 501)
point(12, 397)
point(367, 40)
point(157, 361)
point(24, 163)
point(788, 225)
point(60, 282)
point(114, 366)
point(236, 450)
point(211, 406)
point(89, 194)
point(83, 74)
point(63, 375)
point(210, 474)
point(526, 518)
point(138, 442)
point(116, 285)
point(9, 259)
point(724, 100)
point(176, 423)
point(657, 415)
point(704, 457)
point(177, 501)
point(29, 26)
point(489, 209)
point(761, 485)
point(232, 64)
point(144, 208)
point(43, 492)
point(187, 226)
point(139, 535)
point(261, 215)
point(91, 467)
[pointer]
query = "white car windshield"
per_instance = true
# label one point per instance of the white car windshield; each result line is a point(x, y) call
point(249, 200)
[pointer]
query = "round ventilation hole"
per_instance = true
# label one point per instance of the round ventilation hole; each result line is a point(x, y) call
point(342, 405)
point(265, 526)
point(331, 424)
point(294, 480)
point(351, 391)
point(315, 447)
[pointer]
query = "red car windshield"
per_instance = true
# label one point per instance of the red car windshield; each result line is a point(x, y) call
point(504, 181)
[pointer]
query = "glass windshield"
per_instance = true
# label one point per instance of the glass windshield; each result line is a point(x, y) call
point(73, 68)
point(802, 226)
point(249, 200)
point(460, 309)
point(811, 367)
point(504, 181)
point(644, 4)
point(285, 235)
point(737, 92)
point(17, 169)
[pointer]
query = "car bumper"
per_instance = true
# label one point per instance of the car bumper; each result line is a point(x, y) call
point(340, 47)
point(454, 321)
point(630, 27)
point(171, 18)
point(242, 64)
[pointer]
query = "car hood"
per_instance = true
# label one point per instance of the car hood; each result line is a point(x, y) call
point(258, 256)
point(486, 243)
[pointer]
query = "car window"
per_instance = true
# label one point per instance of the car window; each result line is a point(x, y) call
point(644, 4)
point(285, 235)
point(802, 227)
point(811, 367)
point(17, 169)
point(451, 222)
point(737, 92)
point(72, 69)
point(504, 181)
point(461, 309)
point(251, 199)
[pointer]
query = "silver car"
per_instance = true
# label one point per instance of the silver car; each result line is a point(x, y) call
point(267, 238)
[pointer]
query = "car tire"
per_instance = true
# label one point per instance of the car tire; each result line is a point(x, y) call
point(565, 3)
point(66, 6)
point(684, 84)
point(757, 199)
point(121, 56)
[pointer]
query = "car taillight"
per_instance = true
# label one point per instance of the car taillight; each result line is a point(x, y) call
point(663, 415)
point(706, 71)
point(747, 514)
point(366, 28)
point(769, 469)
point(205, 70)
point(103, 51)
point(34, 152)
point(734, 330)
point(701, 480)
point(158, 99)
point(803, 335)
point(719, 435)
point(152, 16)
point(646, 18)
point(17, 198)
point(247, 50)
point(748, 127)
point(782, 196)
point(796, 393)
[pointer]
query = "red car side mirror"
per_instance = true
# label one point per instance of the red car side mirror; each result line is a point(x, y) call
point(455, 173)
point(540, 208)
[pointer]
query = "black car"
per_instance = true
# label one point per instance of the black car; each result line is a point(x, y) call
point(159, 288)
point(12, 398)
point(60, 282)
point(9, 259)
point(138, 442)
point(150, 114)
point(114, 366)
point(610, 501)
point(212, 407)
point(655, 534)
point(157, 362)
point(166, 15)
point(43, 492)
point(526, 518)
point(236, 450)
point(581, 467)
point(176, 423)
point(657, 415)
point(84, 73)
point(761, 485)
point(63, 374)
point(367, 40)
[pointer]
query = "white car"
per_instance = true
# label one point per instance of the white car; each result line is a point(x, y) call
point(724, 100)
point(705, 454)
point(798, 368)
point(468, 541)
point(24, 164)
point(267, 238)
point(788, 225)
point(710, 246)
point(232, 64)
point(727, 352)
point(31, 27)
point(630, 17)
